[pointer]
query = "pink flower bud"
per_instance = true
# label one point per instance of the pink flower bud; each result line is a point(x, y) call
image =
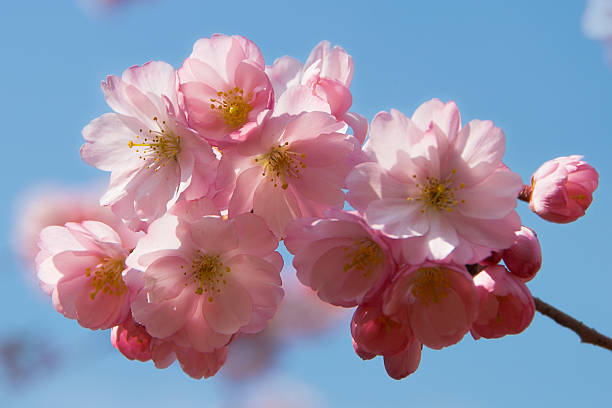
point(132, 340)
point(505, 304)
point(524, 257)
point(405, 362)
point(375, 333)
point(562, 189)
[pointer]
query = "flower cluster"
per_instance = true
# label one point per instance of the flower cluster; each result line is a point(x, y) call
point(435, 216)
point(211, 165)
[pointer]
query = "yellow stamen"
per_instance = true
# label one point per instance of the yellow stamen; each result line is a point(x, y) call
point(438, 194)
point(280, 163)
point(159, 146)
point(364, 256)
point(107, 278)
point(208, 273)
point(233, 105)
point(431, 284)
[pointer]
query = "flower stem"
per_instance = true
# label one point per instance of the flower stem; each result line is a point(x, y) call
point(586, 334)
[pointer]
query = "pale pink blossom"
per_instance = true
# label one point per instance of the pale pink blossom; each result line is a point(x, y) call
point(438, 303)
point(505, 304)
point(82, 266)
point(295, 168)
point(153, 157)
point(321, 84)
point(227, 92)
point(206, 279)
point(562, 189)
point(404, 363)
point(524, 258)
point(439, 188)
point(339, 257)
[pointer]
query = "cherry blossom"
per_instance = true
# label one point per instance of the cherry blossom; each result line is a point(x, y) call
point(562, 189)
point(339, 257)
point(437, 302)
point(82, 266)
point(152, 155)
point(439, 187)
point(322, 83)
point(227, 92)
point(294, 168)
point(206, 279)
point(505, 304)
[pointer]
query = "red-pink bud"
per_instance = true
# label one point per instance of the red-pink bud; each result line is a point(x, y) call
point(562, 189)
point(405, 362)
point(505, 304)
point(132, 340)
point(524, 257)
point(375, 333)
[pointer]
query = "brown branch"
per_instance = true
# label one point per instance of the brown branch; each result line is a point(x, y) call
point(586, 334)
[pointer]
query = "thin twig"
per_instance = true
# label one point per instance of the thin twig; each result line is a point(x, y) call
point(586, 334)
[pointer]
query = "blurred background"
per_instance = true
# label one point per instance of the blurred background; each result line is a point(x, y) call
point(539, 70)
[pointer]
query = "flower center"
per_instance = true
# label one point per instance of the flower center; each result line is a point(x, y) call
point(207, 272)
point(159, 146)
point(233, 106)
point(363, 256)
point(438, 194)
point(280, 163)
point(106, 277)
point(431, 284)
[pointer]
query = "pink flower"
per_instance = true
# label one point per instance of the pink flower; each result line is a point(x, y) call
point(321, 84)
point(438, 302)
point(404, 363)
point(152, 156)
point(439, 187)
point(225, 88)
point(505, 304)
point(294, 168)
point(132, 340)
point(83, 267)
point(524, 257)
point(206, 279)
point(339, 257)
point(562, 189)
point(378, 334)
point(327, 73)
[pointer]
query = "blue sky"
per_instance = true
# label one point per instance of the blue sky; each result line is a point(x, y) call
point(525, 65)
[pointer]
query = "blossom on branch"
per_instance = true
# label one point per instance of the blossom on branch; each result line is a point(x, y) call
point(439, 188)
point(562, 189)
